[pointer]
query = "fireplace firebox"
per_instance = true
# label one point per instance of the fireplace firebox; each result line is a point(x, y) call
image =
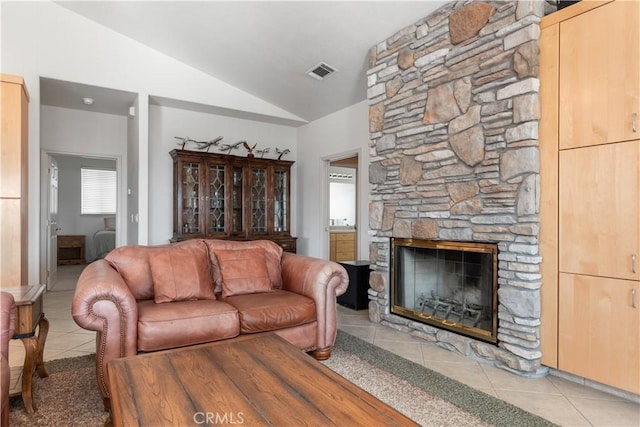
point(450, 285)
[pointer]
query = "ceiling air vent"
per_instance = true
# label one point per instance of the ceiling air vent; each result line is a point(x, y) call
point(321, 71)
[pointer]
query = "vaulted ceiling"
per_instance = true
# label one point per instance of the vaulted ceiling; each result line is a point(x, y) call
point(265, 48)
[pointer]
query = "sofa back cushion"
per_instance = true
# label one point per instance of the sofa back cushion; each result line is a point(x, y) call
point(132, 262)
point(243, 271)
point(272, 253)
point(181, 273)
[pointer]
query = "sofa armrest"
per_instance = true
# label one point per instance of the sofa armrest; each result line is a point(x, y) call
point(103, 303)
point(7, 328)
point(320, 280)
point(7, 321)
point(102, 300)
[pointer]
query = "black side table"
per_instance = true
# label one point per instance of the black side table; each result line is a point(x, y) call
point(356, 296)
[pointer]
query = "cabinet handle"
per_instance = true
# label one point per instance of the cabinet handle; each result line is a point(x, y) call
point(634, 122)
point(633, 298)
point(633, 263)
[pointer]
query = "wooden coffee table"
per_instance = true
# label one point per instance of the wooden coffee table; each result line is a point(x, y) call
point(252, 380)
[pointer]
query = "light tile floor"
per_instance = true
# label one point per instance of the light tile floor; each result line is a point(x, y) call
point(557, 399)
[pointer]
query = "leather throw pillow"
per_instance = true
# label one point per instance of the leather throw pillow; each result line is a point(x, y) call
point(181, 273)
point(243, 271)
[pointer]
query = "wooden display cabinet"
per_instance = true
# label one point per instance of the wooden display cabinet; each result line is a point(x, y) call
point(220, 196)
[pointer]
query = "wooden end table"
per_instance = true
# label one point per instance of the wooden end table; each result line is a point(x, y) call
point(29, 316)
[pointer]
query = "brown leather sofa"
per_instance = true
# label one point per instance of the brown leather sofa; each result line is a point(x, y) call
point(7, 328)
point(150, 298)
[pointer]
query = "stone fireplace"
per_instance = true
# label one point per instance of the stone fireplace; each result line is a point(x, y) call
point(453, 116)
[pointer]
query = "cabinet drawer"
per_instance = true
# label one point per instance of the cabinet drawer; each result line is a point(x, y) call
point(345, 255)
point(343, 236)
point(345, 245)
point(70, 241)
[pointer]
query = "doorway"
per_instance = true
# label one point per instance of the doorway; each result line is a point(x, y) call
point(83, 237)
point(343, 208)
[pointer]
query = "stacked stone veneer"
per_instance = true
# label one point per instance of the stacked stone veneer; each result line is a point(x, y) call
point(453, 118)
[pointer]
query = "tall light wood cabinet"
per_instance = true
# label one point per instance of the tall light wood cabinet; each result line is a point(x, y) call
point(14, 111)
point(590, 195)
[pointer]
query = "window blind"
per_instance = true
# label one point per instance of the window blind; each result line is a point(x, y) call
point(98, 191)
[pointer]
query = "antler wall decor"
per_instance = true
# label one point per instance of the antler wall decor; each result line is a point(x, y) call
point(183, 141)
point(229, 147)
point(208, 144)
point(282, 152)
point(263, 152)
point(249, 148)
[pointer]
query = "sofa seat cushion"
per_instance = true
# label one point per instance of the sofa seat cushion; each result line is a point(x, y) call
point(181, 323)
point(272, 310)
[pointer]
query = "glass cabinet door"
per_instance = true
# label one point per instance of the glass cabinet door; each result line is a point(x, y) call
point(236, 201)
point(216, 199)
point(258, 200)
point(190, 197)
point(281, 201)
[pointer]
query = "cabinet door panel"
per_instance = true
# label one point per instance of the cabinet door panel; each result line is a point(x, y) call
point(599, 210)
point(599, 75)
point(10, 242)
point(190, 200)
point(599, 330)
point(258, 200)
point(215, 199)
point(12, 140)
point(280, 201)
point(237, 201)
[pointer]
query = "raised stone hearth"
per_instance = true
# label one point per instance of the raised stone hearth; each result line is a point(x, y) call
point(454, 113)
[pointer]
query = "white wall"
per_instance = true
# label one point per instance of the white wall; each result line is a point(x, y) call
point(81, 133)
point(132, 177)
point(166, 123)
point(70, 221)
point(343, 132)
point(43, 39)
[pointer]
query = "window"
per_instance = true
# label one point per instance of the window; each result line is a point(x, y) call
point(98, 191)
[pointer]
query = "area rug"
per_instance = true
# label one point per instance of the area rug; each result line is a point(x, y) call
point(70, 396)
